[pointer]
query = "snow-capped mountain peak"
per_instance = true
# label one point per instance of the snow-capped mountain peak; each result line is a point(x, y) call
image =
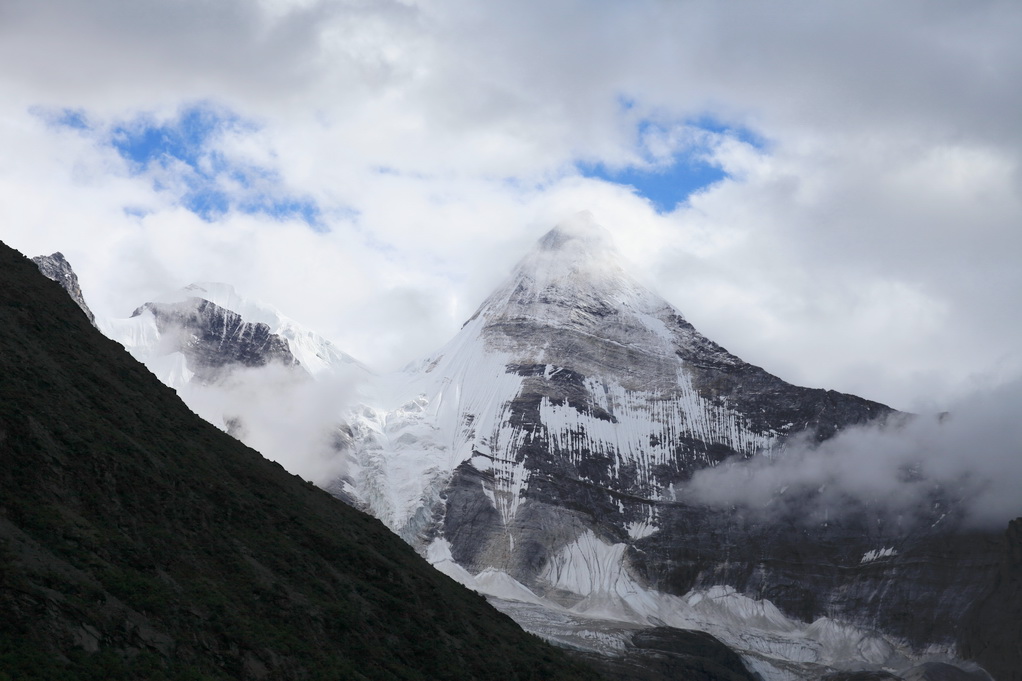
point(578, 238)
point(573, 360)
point(560, 425)
point(573, 269)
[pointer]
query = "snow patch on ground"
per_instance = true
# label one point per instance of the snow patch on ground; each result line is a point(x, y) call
point(778, 647)
point(499, 584)
point(489, 582)
point(876, 554)
point(438, 554)
point(641, 530)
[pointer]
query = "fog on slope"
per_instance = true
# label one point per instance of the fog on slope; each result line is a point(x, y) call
point(282, 413)
point(970, 456)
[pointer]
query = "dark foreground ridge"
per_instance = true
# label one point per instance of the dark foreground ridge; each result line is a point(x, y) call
point(138, 541)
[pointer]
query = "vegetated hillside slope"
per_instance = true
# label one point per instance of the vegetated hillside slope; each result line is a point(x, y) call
point(138, 541)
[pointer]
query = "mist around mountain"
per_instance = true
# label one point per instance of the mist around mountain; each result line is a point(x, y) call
point(138, 541)
point(250, 370)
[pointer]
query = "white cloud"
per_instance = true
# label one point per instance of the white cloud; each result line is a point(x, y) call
point(871, 245)
point(283, 414)
point(969, 460)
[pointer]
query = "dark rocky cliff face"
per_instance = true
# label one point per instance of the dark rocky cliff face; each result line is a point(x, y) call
point(992, 628)
point(918, 593)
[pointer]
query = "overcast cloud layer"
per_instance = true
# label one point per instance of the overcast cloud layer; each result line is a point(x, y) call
point(373, 169)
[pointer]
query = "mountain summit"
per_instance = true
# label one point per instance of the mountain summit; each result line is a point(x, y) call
point(571, 381)
point(577, 247)
point(57, 268)
point(571, 299)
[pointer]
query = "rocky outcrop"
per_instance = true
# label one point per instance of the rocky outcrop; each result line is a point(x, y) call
point(992, 629)
point(665, 653)
point(57, 268)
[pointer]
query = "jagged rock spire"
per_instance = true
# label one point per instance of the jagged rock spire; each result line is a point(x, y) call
point(57, 268)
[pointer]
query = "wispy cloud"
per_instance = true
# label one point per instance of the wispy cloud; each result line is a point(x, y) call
point(282, 413)
point(965, 463)
point(188, 157)
point(185, 156)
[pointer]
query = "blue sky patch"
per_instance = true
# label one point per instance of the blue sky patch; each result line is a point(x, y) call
point(665, 187)
point(286, 208)
point(187, 138)
point(136, 211)
point(183, 156)
point(676, 160)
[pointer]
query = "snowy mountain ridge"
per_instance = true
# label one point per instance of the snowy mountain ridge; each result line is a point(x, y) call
point(164, 334)
point(314, 353)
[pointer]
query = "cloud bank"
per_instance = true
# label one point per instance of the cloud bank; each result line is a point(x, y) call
point(283, 414)
point(833, 193)
point(968, 461)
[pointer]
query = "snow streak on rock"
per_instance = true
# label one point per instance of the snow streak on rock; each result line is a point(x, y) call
point(645, 429)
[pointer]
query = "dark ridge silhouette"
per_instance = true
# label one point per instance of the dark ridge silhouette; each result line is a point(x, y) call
point(138, 541)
